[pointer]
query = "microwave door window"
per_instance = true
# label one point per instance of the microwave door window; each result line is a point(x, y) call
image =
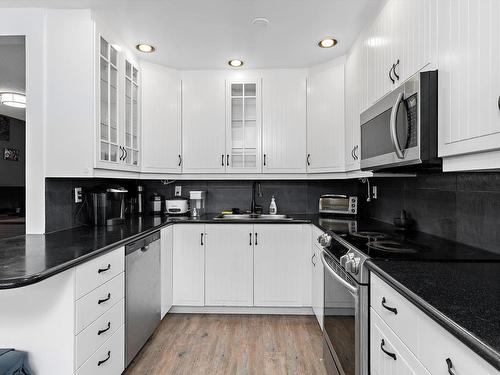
point(340, 324)
point(376, 136)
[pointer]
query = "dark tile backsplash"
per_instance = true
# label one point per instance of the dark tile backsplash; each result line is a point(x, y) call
point(291, 196)
point(464, 207)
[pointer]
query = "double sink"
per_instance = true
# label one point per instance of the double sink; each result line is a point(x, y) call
point(252, 217)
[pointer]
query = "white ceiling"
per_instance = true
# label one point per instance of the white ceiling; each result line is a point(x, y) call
point(12, 72)
point(205, 34)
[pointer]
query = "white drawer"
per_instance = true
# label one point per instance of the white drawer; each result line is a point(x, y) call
point(437, 345)
point(397, 360)
point(403, 323)
point(97, 271)
point(97, 302)
point(92, 337)
point(109, 358)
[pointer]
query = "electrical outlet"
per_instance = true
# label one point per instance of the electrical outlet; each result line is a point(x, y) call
point(178, 191)
point(78, 195)
point(374, 192)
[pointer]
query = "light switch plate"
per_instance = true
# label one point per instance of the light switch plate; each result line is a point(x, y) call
point(78, 195)
point(178, 191)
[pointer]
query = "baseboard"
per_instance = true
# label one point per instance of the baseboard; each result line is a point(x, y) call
point(241, 310)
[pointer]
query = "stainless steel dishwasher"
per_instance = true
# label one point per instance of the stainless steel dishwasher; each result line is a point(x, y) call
point(142, 293)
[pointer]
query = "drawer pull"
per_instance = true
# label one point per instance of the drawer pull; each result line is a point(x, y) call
point(392, 309)
point(101, 331)
point(392, 355)
point(105, 360)
point(450, 367)
point(105, 299)
point(101, 270)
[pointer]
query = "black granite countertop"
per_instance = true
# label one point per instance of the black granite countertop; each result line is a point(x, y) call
point(463, 297)
point(31, 258)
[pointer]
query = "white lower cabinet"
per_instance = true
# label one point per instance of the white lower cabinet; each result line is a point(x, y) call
point(317, 284)
point(411, 331)
point(189, 265)
point(229, 265)
point(280, 257)
point(166, 259)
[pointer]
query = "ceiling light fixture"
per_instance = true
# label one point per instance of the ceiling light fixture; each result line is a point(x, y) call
point(235, 63)
point(327, 42)
point(13, 99)
point(146, 48)
point(260, 21)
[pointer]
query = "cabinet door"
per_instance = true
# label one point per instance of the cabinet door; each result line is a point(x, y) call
point(284, 122)
point(203, 123)
point(131, 129)
point(325, 119)
point(281, 256)
point(166, 259)
point(317, 291)
point(469, 76)
point(229, 265)
point(243, 126)
point(161, 119)
point(189, 265)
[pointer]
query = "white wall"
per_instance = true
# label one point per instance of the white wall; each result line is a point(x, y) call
point(30, 22)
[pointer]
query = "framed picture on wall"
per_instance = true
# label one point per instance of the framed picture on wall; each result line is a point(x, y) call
point(11, 154)
point(4, 128)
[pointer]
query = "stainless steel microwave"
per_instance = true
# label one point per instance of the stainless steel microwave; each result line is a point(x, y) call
point(400, 130)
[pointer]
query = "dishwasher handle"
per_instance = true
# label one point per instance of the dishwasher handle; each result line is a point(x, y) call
point(142, 243)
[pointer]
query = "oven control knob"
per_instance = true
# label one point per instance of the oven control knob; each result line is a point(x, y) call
point(325, 240)
point(352, 266)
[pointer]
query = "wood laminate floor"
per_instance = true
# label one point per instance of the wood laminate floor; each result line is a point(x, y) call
point(232, 344)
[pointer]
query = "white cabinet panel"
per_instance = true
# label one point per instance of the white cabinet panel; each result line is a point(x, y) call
point(203, 123)
point(469, 76)
point(166, 259)
point(189, 265)
point(317, 292)
point(229, 265)
point(325, 118)
point(284, 122)
point(161, 119)
point(280, 259)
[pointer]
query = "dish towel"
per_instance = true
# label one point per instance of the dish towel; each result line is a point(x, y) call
point(13, 362)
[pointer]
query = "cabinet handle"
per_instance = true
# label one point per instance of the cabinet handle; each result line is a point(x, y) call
point(499, 102)
point(180, 160)
point(250, 239)
point(391, 309)
point(105, 360)
point(390, 74)
point(227, 160)
point(121, 155)
point(392, 355)
point(101, 270)
point(264, 159)
point(105, 299)
point(256, 242)
point(394, 70)
point(126, 154)
point(450, 366)
point(352, 154)
point(308, 159)
point(355, 155)
point(101, 331)
point(312, 260)
point(222, 159)
point(201, 239)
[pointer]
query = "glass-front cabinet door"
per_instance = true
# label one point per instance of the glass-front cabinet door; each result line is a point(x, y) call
point(243, 126)
point(118, 121)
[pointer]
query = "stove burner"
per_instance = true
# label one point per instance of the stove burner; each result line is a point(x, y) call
point(372, 236)
point(391, 247)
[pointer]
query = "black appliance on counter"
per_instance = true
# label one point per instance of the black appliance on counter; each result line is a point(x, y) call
point(108, 206)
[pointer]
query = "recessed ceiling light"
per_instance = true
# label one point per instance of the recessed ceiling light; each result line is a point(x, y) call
point(260, 21)
point(235, 63)
point(146, 48)
point(13, 99)
point(327, 42)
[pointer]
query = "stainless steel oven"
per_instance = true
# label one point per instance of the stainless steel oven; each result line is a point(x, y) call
point(400, 130)
point(345, 333)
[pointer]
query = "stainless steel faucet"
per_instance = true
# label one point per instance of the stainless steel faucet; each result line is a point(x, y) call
point(255, 186)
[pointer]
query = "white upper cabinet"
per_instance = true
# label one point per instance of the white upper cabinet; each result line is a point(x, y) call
point(284, 122)
point(161, 119)
point(325, 118)
point(469, 81)
point(203, 123)
point(243, 125)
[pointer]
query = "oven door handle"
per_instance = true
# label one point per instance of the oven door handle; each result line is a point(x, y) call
point(394, 131)
point(353, 290)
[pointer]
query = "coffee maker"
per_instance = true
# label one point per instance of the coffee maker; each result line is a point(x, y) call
point(109, 207)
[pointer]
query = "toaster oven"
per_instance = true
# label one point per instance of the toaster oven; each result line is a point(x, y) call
point(338, 204)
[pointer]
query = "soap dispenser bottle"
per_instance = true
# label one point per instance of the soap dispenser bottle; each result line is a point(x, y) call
point(272, 207)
